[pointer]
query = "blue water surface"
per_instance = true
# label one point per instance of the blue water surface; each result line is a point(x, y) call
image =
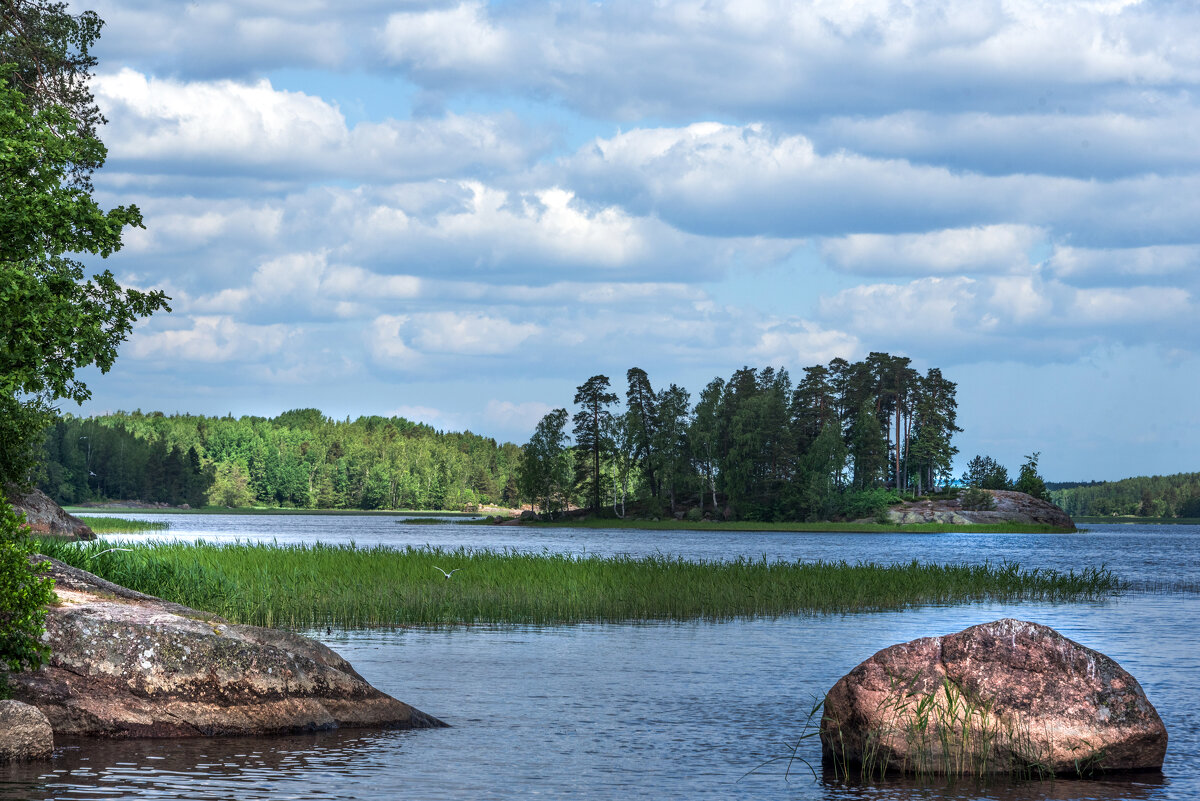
point(662, 710)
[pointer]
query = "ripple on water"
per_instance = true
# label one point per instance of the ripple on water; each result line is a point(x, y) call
point(608, 711)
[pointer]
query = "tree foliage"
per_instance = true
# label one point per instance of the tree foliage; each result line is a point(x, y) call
point(24, 593)
point(984, 472)
point(299, 459)
point(749, 447)
point(545, 470)
point(1029, 481)
point(593, 432)
point(53, 320)
point(1146, 496)
point(758, 447)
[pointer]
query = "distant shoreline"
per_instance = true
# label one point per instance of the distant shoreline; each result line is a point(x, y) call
point(1139, 521)
point(263, 510)
point(827, 527)
point(668, 524)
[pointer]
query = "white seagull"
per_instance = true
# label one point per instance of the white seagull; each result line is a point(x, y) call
point(110, 550)
point(444, 573)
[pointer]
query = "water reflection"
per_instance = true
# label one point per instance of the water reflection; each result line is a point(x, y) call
point(1130, 787)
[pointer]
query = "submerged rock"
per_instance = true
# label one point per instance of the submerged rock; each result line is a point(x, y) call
point(44, 516)
point(24, 733)
point(1002, 697)
point(125, 664)
point(1011, 507)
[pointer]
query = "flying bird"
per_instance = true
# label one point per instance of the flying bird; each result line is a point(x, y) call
point(110, 550)
point(444, 573)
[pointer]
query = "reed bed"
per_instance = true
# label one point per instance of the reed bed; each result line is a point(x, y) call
point(120, 525)
point(316, 584)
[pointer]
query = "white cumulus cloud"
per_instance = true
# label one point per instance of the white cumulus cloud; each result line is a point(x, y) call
point(987, 249)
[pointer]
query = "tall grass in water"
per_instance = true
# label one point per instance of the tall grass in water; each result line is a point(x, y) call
point(120, 525)
point(946, 732)
point(341, 585)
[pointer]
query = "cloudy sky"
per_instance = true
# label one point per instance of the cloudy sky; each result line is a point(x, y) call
point(458, 211)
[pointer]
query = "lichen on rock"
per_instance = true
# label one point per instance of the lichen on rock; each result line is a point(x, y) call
point(25, 733)
point(125, 664)
point(1003, 697)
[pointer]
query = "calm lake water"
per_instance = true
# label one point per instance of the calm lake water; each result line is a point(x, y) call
point(687, 710)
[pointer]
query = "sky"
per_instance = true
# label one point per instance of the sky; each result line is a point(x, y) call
point(457, 212)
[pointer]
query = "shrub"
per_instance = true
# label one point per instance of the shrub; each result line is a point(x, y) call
point(694, 514)
point(654, 508)
point(872, 503)
point(977, 500)
point(24, 593)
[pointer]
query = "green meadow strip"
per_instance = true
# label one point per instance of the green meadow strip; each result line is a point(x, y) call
point(119, 525)
point(306, 585)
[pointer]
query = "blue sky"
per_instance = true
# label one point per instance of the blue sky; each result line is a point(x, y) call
point(459, 211)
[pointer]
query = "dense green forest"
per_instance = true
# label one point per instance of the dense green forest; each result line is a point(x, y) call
point(299, 459)
point(755, 444)
point(1144, 496)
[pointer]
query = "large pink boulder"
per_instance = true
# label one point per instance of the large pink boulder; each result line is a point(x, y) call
point(1002, 697)
point(124, 664)
point(44, 516)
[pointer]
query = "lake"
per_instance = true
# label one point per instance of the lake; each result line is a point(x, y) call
point(679, 710)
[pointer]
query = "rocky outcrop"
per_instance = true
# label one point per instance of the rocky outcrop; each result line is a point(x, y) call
point(44, 516)
point(1011, 507)
point(24, 733)
point(125, 664)
point(1002, 697)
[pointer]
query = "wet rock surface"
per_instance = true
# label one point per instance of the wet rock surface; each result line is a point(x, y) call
point(1011, 507)
point(125, 664)
point(25, 733)
point(1002, 697)
point(44, 516)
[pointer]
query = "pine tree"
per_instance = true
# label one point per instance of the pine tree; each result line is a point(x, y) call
point(593, 424)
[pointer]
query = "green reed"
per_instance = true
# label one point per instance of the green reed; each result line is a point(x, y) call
point(944, 733)
point(119, 525)
point(346, 586)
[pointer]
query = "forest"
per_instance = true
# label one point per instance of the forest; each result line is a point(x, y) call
point(299, 459)
point(1143, 496)
point(754, 444)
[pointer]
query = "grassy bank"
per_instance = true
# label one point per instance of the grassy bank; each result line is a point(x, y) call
point(825, 526)
point(340, 585)
point(119, 525)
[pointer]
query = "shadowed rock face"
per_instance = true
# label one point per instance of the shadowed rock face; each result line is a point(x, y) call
point(125, 664)
point(1011, 507)
point(44, 516)
point(1006, 696)
point(24, 733)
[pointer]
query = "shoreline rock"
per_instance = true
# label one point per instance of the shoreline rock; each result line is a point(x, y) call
point(1011, 507)
point(1002, 697)
point(125, 664)
point(44, 516)
point(25, 733)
